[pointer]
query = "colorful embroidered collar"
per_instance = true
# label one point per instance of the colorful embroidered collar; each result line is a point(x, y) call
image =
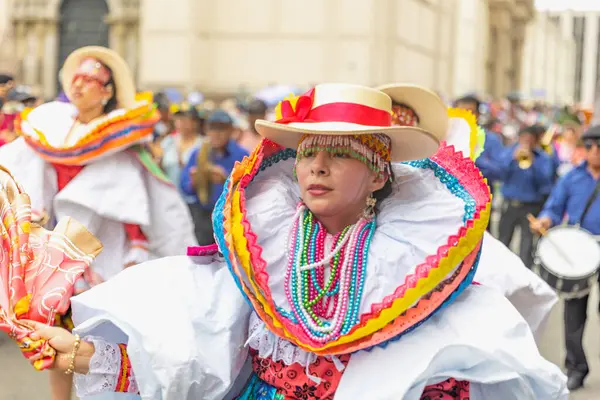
point(112, 133)
point(425, 289)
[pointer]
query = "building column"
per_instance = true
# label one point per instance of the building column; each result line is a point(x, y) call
point(518, 46)
point(40, 44)
point(131, 49)
point(383, 39)
point(50, 53)
point(566, 23)
point(503, 62)
point(590, 54)
point(20, 49)
point(500, 55)
point(116, 35)
point(30, 59)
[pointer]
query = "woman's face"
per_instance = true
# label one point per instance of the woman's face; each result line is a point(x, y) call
point(335, 187)
point(87, 93)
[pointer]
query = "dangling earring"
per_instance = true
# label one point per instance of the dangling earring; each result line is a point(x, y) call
point(369, 211)
point(104, 102)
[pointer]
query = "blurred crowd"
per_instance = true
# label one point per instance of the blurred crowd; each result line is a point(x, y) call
point(197, 142)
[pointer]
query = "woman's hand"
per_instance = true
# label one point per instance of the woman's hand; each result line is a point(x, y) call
point(63, 342)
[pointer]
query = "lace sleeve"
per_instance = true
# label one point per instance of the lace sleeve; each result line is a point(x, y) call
point(110, 371)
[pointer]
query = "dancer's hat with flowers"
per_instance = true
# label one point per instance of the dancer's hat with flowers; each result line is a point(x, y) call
point(119, 70)
point(344, 109)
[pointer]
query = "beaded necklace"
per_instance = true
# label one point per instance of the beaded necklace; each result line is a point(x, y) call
point(326, 303)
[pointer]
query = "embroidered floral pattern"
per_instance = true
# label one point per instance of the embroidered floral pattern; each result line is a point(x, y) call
point(276, 381)
point(450, 389)
point(292, 381)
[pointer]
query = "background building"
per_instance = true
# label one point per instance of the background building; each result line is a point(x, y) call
point(580, 19)
point(548, 71)
point(452, 46)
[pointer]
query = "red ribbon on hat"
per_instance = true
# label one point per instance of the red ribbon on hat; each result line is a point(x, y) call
point(333, 112)
point(300, 113)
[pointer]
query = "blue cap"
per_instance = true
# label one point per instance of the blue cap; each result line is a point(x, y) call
point(219, 117)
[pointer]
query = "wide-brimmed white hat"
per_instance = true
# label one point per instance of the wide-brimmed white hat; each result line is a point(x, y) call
point(124, 85)
point(430, 109)
point(344, 109)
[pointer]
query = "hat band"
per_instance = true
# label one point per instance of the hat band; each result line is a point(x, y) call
point(354, 113)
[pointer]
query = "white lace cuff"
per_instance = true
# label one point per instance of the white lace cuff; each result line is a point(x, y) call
point(268, 345)
point(105, 366)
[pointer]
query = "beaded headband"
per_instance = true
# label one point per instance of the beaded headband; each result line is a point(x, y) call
point(94, 69)
point(372, 149)
point(404, 115)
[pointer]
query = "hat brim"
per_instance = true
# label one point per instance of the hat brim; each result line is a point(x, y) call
point(121, 74)
point(432, 112)
point(408, 143)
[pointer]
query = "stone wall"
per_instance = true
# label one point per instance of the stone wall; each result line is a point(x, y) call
point(451, 46)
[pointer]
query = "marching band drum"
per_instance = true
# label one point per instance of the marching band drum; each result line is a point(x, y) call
point(568, 258)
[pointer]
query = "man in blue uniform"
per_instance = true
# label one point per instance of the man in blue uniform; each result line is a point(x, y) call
point(569, 200)
point(527, 173)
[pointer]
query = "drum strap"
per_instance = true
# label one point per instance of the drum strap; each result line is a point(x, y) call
point(590, 201)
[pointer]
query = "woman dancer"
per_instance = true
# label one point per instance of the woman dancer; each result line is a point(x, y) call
point(338, 254)
point(84, 160)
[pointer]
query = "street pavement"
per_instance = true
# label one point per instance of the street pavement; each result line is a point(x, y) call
point(552, 347)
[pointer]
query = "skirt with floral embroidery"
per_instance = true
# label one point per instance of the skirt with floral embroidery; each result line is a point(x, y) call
point(273, 380)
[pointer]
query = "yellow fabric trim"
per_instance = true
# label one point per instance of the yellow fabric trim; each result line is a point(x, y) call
point(480, 143)
point(240, 244)
point(472, 121)
point(22, 306)
point(144, 96)
point(25, 113)
point(25, 226)
point(143, 111)
point(293, 99)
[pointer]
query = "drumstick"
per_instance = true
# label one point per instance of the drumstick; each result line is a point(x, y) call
point(533, 219)
point(543, 232)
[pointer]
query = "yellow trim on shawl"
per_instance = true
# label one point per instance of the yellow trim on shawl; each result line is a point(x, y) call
point(472, 121)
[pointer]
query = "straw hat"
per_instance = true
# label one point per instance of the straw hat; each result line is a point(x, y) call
point(124, 84)
point(344, 109)
point(431, 110)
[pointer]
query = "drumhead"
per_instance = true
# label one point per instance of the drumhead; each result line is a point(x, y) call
point(569, 252)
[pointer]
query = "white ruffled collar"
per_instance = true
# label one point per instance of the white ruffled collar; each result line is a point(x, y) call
point(416, 220)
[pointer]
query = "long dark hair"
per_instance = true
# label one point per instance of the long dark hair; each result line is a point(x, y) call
point(385, 191)
point(112, 103)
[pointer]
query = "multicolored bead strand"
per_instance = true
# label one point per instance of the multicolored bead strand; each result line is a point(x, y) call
point(326, 305)
point(373, 150)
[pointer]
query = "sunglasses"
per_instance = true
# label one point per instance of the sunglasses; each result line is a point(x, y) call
point(589, 143)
